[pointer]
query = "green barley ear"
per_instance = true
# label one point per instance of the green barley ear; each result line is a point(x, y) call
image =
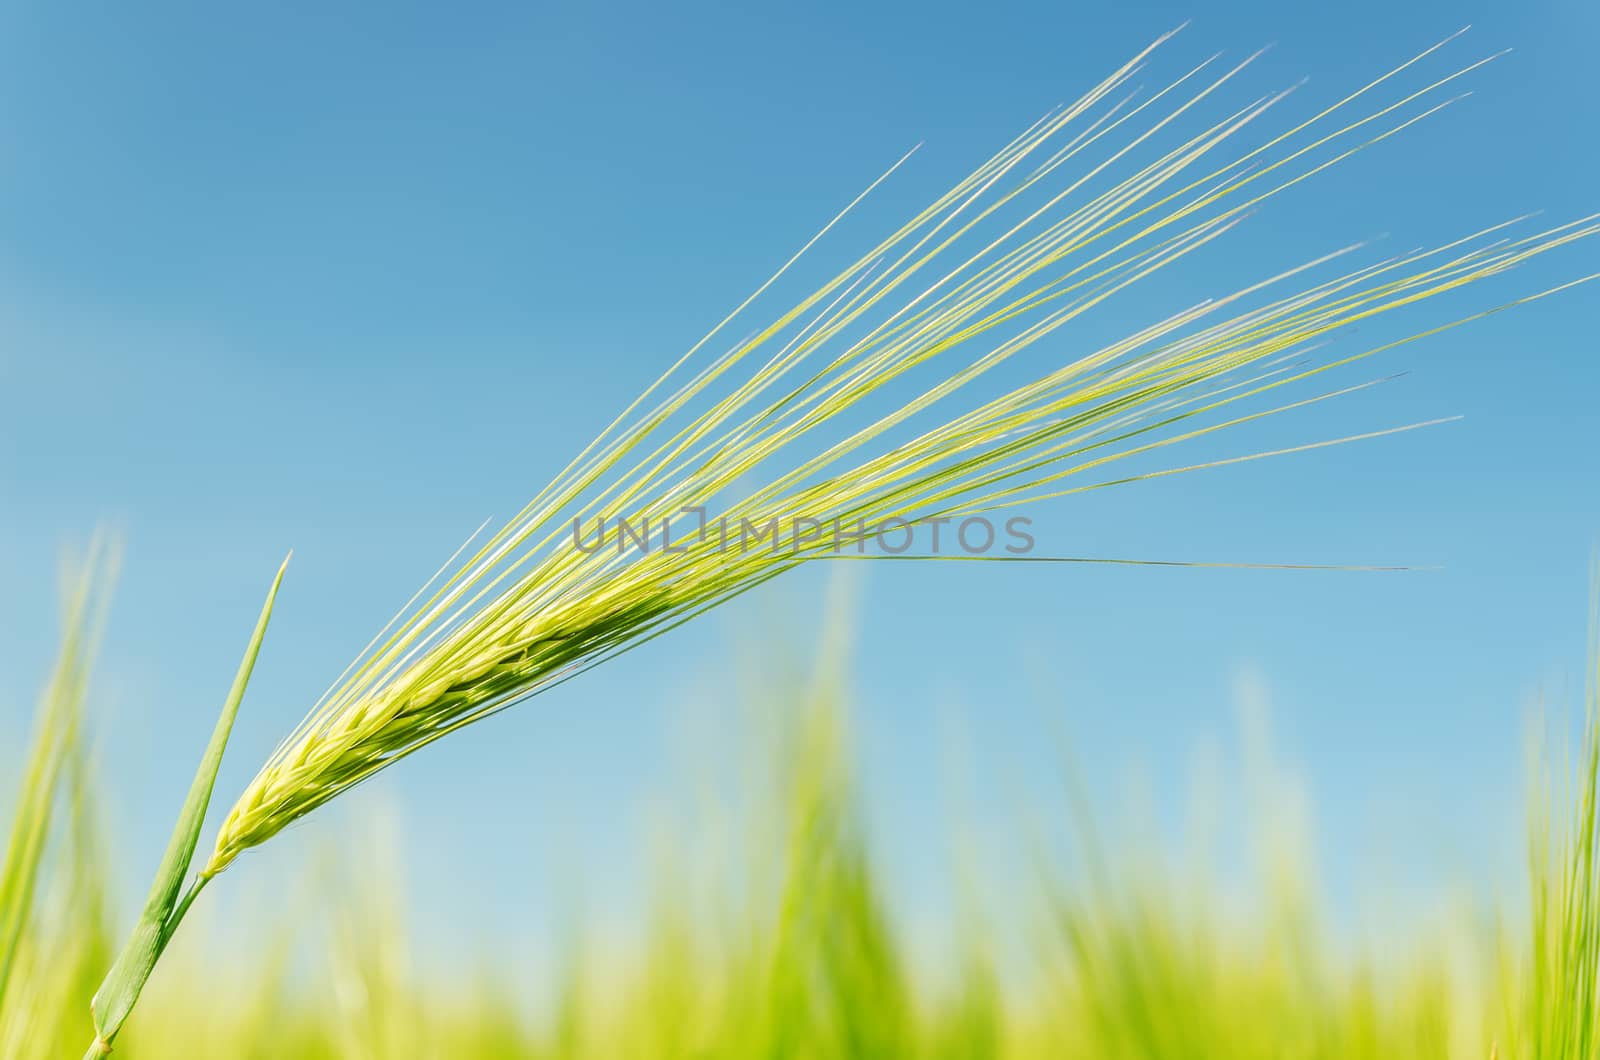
point(872, 401)
point(892, 393)
point(168, 901)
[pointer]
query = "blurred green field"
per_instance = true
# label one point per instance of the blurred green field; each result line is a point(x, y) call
point(788, 949)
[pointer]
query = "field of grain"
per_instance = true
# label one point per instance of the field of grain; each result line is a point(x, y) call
point(787, 949)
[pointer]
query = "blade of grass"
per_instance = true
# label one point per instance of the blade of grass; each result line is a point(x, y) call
point(168, 902)
point(56, 741)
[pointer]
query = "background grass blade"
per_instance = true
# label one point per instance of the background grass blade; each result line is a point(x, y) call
point(55, 752)
point(774, 934)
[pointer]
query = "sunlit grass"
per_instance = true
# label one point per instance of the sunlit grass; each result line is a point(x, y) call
point(53, 876)
point(786, 945)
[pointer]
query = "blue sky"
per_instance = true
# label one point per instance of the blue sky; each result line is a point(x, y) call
point(352, 278)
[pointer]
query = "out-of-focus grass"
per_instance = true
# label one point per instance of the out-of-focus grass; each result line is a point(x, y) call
point(46, 962)
point(1562, 994)
point(787, 950)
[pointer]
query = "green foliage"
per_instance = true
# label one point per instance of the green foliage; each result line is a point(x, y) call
point(50, 952)
point(790, 951)
point(1563, 991)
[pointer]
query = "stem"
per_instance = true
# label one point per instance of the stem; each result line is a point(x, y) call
point(101, 1046)
point(183, 905)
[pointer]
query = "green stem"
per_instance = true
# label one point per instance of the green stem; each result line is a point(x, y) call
point(188, 899)
point(101, 1046)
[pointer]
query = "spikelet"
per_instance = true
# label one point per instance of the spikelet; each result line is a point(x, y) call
point(866, 402)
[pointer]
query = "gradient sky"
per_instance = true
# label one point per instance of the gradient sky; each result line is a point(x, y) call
point(352, 278)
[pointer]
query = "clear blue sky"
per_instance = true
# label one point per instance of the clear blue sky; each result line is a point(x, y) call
point(351, 278)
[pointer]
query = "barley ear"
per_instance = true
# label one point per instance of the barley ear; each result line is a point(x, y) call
point(165, 909)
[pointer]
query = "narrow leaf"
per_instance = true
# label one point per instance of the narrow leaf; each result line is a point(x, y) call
point(162, 911)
